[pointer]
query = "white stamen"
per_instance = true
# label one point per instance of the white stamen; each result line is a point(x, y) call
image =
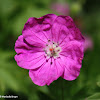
point(52, 49)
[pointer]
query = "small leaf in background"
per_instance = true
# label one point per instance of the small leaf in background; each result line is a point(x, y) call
point(95, 96)
point(43, 89)
point(19, 21)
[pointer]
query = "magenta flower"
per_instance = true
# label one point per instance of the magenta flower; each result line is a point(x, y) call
point(50, 47)
point(88, 43)
point(63, 9)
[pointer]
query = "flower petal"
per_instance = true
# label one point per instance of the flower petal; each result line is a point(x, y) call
point(68, 21)
point(21, 46)
point(28, 56)
point(38, 27)
point(60, 33)
point(46, 74)
point(71, 57)
point(65, 28)
point(30, 60)
point(73, 49)
point(49, 18)
point(72, 69)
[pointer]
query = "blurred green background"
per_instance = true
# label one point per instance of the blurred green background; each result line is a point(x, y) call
point(15, 80)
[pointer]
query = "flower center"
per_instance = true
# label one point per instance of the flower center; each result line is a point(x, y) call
point(52, 49)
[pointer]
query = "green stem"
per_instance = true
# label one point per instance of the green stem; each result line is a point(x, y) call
point(62, 88)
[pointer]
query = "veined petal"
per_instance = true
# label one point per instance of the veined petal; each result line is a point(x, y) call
point(61, 33)
point(65, 28)
point(74, 31)
point(28, 56)
point(72, 68)
point(73, 49)
point(22, 46)
point(30, 60)
point(71, 56)
point(46, 74)
point(38, 26)
point(49, 18)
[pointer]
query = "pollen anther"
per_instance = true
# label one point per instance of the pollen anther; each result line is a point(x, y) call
point(52, 49)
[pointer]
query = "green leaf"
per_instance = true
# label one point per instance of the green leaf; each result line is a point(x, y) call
point(95, 96)
point(43, 89)
point(18, 23)
point(98, 84)
point(12, 76)
point(7, 7)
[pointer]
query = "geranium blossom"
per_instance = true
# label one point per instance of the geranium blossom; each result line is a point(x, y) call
point(50, 47)
point(63, 9)
point(88, 43)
